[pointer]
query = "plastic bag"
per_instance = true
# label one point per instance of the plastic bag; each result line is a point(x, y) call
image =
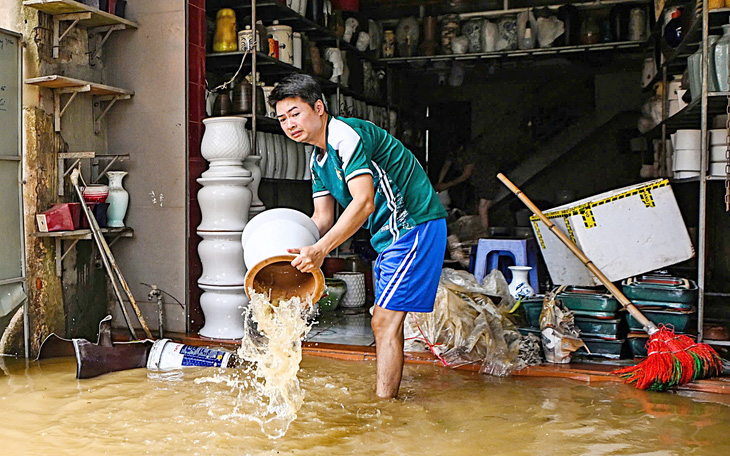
point(465, 327)
point(560, 338)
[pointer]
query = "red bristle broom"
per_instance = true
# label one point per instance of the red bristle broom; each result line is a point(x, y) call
point(672, 359)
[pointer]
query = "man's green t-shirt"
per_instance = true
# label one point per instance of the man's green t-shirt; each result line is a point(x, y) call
point(404, 196)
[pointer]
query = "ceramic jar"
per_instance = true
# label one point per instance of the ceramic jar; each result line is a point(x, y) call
point(251, 164)
point(520, 287)
point(590, 33)
point(283, 35)
point(449, 30)
point(490, 36)
point(334, 290)
point(225, 145)
point(270, 111)
point(472, 29)
point(224, 203)
point(266, 241)
point(222, 258)
point(297, 49)
point(460, 45)
point(222, 309)
point(637, 24)
point(722, 51)
point(225, 39)
point(507, 26)
point(694, 64)
point(356, 294)
point(245, 39)
point(389, 44)
point(428, 47)
point(118, 199)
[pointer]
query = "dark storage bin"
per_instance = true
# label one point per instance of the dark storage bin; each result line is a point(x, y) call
point(606, 348)
point(660, 288)
point(660, 305)
point(590, 300)
point(614, 328)
point(638, 346)
point(677, 320)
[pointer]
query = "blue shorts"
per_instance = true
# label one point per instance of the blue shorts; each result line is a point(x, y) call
point(407, 272)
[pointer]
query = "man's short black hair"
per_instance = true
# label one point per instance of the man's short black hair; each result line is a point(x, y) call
point(296, 86)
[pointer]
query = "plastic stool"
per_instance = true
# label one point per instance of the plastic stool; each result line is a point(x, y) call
point(522, 251)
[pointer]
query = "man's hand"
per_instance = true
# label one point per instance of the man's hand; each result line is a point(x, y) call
point(309, 258)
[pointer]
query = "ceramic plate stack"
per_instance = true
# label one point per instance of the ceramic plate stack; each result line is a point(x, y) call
point(717, 152)
point(686, 153)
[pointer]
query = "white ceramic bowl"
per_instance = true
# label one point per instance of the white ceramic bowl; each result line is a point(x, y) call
point(717, 153)
point(687, 139)
point(274, 231)
point(717, 136)
point(686, 160)
point(717, 169)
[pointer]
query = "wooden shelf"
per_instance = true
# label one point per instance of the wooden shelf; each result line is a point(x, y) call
point(65, 85)
point(98, 17)
point(85, 234)
point(518, 53)
point(63, 82)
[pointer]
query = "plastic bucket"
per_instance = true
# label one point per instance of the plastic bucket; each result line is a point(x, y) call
point(166, 355)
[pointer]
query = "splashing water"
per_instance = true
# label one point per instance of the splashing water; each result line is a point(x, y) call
point(268, 390)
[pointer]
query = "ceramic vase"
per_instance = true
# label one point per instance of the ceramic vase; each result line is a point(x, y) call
point(222, 258)
point(118, 199)
point(223, 308)
point(355, 295)
point(251, 163)
point(472, 29)
point(224, 203)
point(520, 287)
point(225, 145)
point(722, 51)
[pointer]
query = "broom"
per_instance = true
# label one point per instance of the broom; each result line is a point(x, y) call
point(673, 359)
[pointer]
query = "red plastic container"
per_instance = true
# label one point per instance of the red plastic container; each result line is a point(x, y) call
point(60, 217)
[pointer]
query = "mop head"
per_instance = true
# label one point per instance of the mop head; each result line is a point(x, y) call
point(673, 359)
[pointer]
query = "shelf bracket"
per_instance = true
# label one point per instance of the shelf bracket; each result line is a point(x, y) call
point(60, 256)
point(111, 99)
point(63, 171)
point(107, 31)
point(106, 168)
point(58, 111)
point(57, 35)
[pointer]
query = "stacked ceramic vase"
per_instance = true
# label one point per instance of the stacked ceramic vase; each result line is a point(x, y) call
point(228, 195)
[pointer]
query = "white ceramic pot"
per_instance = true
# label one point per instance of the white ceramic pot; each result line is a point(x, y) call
point(251, 163)
point(292, 160)
point(717, 169)
point(261, 150)
point(520, 287)
point(686, 160)
point(222, 258)
point(302, 163)
point(717, 153)
point(687, 139)
point(282, 34)
point(270, 111)
point(355, 294)
point(118, 199)
point(718, 136)
point(270, 156)
point(223, 309)
point(224, 203)
point(274, 231)
point(225, 145)
point(297, 49)
point(308, 150)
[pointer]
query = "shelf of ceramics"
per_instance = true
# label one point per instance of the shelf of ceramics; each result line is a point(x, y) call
point(270, 10)
point(688, 180)
point(676, 60)
point(65, 85)
point(80, 235)
point(690, 116)
point(79, 14)
point(537, 52)
point(274, 67)
point(655, 32)
point(64, 171)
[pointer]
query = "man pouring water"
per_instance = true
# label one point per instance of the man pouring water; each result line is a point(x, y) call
point(382, 186)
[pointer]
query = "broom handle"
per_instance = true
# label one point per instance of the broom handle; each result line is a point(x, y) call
point(649, 327)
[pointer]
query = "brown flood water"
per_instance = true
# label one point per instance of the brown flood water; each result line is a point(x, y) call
point(44, 410)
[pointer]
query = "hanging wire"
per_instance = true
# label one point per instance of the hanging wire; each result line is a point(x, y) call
point(228, 83)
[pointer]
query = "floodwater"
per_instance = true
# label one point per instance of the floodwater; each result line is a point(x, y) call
point(44, 410)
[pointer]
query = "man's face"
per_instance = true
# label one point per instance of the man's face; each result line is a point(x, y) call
point(300, 122)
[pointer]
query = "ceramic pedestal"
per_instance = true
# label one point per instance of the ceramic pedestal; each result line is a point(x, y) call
point(222, 258)
point(224, 203)
point(223, 309)
point(251, 164)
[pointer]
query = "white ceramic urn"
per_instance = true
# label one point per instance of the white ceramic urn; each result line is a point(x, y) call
point(520, 287)
point(224, 203)
point(222, 258)
point(225, 145)
point(223, 309)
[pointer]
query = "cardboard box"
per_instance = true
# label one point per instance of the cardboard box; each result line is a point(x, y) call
point(625, 232)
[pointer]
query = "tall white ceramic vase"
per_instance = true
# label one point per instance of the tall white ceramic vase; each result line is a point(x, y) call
point(222, 307)
point(251, 163)
point(118, 199)
point(224, 203)
point(225, 145)
point(520, 287)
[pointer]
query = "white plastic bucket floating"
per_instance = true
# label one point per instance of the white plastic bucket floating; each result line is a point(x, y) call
point(167, 355)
